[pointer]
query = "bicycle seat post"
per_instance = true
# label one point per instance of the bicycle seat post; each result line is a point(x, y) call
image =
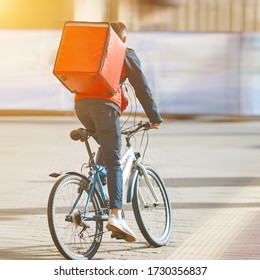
point(91, 155)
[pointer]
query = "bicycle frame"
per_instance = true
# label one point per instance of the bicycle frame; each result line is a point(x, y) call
point(96, 172)
point(131, 167)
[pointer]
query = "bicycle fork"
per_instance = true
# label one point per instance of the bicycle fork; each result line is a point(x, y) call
point(149, 184)
point(140, 169)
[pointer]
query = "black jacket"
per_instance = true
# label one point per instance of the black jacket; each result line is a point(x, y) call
point(143, 92)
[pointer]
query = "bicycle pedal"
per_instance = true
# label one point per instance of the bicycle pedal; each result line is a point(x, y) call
point(117, 235)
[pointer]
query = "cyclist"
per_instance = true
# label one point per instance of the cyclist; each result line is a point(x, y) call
point(101, 116)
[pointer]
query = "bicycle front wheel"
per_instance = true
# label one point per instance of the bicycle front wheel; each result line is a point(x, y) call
point(152, 208)
point(67, 201)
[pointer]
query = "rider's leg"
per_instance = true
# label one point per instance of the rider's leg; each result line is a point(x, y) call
point(105, 121)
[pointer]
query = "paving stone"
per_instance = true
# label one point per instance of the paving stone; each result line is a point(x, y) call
point(212, 176)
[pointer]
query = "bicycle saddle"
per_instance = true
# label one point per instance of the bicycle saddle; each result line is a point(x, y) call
point(79, 134)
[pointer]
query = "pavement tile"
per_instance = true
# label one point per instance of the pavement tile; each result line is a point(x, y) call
point(212, 179)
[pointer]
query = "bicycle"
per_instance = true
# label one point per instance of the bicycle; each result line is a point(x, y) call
point(78, 205)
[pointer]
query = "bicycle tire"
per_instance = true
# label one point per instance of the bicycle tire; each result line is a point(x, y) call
point(154, 219)
point(66, 234)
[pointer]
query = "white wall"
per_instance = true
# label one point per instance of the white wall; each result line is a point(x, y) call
point(189, 73)
point(26, 80)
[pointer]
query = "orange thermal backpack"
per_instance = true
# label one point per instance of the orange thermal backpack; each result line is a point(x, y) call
point(90, 58)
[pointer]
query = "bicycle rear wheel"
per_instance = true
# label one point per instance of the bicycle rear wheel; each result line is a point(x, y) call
point(74, 239)
point(154, 218)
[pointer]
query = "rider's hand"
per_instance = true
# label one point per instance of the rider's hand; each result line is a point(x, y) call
point(154, 125)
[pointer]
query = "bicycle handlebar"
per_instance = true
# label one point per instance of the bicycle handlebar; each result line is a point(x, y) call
point(140, 126)
point(82, 134)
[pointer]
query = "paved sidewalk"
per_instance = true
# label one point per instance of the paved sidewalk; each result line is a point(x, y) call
point(212, 171)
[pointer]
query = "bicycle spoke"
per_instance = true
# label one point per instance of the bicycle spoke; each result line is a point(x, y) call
point(73, 237)
point(152, 208)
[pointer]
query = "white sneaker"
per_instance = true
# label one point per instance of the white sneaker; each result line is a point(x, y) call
point(120, 227)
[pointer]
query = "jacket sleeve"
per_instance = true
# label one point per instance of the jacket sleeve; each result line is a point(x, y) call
point(142, 90)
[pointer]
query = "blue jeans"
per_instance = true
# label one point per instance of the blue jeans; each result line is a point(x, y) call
point(104, 121)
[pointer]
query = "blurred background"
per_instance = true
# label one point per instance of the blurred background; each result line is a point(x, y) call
point(201, 57)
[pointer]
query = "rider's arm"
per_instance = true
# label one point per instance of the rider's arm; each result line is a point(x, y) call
point(140, 85)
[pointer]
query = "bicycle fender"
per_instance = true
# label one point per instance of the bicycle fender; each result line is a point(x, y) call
point(131, 186)
point(66, 172)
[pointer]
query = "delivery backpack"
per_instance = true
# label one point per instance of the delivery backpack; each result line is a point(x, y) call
point(90, 59)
